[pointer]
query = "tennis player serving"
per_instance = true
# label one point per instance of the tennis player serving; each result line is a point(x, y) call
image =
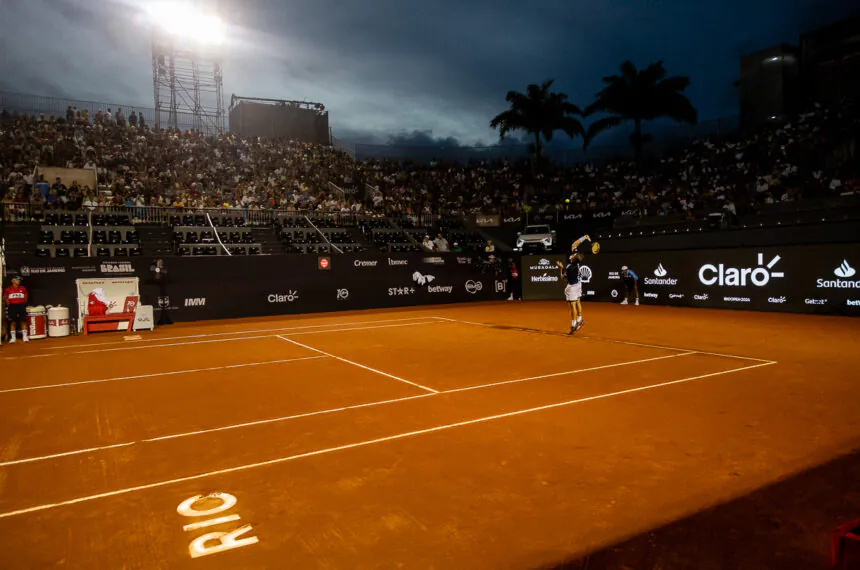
point(573, 289)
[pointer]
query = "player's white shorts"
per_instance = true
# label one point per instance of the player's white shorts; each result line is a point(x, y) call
point(573, 292)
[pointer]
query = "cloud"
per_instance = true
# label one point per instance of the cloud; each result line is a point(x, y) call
point(422, 72)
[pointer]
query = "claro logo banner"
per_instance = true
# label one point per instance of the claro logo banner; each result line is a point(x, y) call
point(728, 276)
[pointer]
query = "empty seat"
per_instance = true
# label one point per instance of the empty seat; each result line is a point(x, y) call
point(99, 236)
point(131, 236)
point(175, 221)
point(177, 237)
point(98, 220)
point(247, 237)
point(200, 220)
point(80, 252)
point(80, 220)
point(81, 237)
point(206, 236)
point(52, 219)
point(42, 252)
point(134, 251)
point(46, 237)
point(61, 252)
point(227, 222)
point(120, 252)
point(254, 251)
point(110, 220)
point(67, 220)
point(187, 220)
point(191, 237)
point(211, 250)
point(114, 237)
point(103, 252)
point(234, 237)
point(198, 251)
point(66, 237)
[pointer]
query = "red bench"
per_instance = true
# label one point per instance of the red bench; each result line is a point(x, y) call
point(112, 321)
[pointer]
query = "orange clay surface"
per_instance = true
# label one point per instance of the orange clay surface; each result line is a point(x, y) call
point(467, 436)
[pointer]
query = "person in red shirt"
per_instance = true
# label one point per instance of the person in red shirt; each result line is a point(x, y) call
point(15, 298)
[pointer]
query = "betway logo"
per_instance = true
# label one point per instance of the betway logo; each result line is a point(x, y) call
point(197, 302)
point(844, 271)
point(852, 302)
point(723, 276)
point(439, 288)
point(651, 295)
point(661, 273)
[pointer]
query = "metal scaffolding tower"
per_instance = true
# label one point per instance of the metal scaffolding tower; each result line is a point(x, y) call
point(188, 88)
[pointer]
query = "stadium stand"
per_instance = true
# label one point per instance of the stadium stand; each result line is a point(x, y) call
point(282, 196)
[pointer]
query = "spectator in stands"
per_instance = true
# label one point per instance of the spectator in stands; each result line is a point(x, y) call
point(427, 244)
point(120, 118)
point(441, 243)
point(132, 119)
point(42, 188)
point(490, 247)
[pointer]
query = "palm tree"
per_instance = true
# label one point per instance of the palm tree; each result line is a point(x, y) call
point(538, 111)
point(640, 96)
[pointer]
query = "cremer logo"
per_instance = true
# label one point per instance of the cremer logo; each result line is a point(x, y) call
point(844, 271)
point(723, 276)
point(362, 263)
point(289, 297)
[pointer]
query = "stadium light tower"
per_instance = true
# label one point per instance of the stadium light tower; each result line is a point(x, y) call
point(187, 77)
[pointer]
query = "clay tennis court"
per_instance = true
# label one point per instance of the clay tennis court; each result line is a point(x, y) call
point(477, 436)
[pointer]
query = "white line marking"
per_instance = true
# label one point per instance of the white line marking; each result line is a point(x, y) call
point(365, 443)
point(662, 347)
point(429, 322)
point(172, 373)
point(126, 342)
point(425, 388)
point(334, 410)
point(567, 373)
point(212, 522)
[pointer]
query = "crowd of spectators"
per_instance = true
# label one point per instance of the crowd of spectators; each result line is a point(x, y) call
point(812, 155)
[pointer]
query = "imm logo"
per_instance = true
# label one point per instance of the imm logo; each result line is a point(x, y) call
point(723, 276)
point(196, 302)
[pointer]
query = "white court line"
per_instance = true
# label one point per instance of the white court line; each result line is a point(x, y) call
point(662, 347)
point(567, 373)
point(366, 443)
point(154, 374)
point(339, 409)
point(148, 346)
point(425, 388)
point(126, 342)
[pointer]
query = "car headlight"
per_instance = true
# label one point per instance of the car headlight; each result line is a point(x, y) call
point(547, 241)
point(520, 243)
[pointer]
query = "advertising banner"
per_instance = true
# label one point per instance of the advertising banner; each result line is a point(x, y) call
point(488, 221)
point(803, 279)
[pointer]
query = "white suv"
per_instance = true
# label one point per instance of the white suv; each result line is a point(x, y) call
point(539, 238)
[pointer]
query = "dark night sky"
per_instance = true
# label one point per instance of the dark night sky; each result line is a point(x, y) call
point(383, 67)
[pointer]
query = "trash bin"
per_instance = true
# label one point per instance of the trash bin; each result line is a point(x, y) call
point(37, 322)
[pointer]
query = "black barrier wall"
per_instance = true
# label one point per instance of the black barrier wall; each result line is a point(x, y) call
point(801, 279)
point(244, 286)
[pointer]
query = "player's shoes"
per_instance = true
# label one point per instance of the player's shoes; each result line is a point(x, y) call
point(637, 302)
point(624, 302)
point(12, 340)
point(579, 326)
point(572, 330)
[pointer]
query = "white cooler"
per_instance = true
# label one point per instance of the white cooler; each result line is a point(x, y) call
point(58, 321)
